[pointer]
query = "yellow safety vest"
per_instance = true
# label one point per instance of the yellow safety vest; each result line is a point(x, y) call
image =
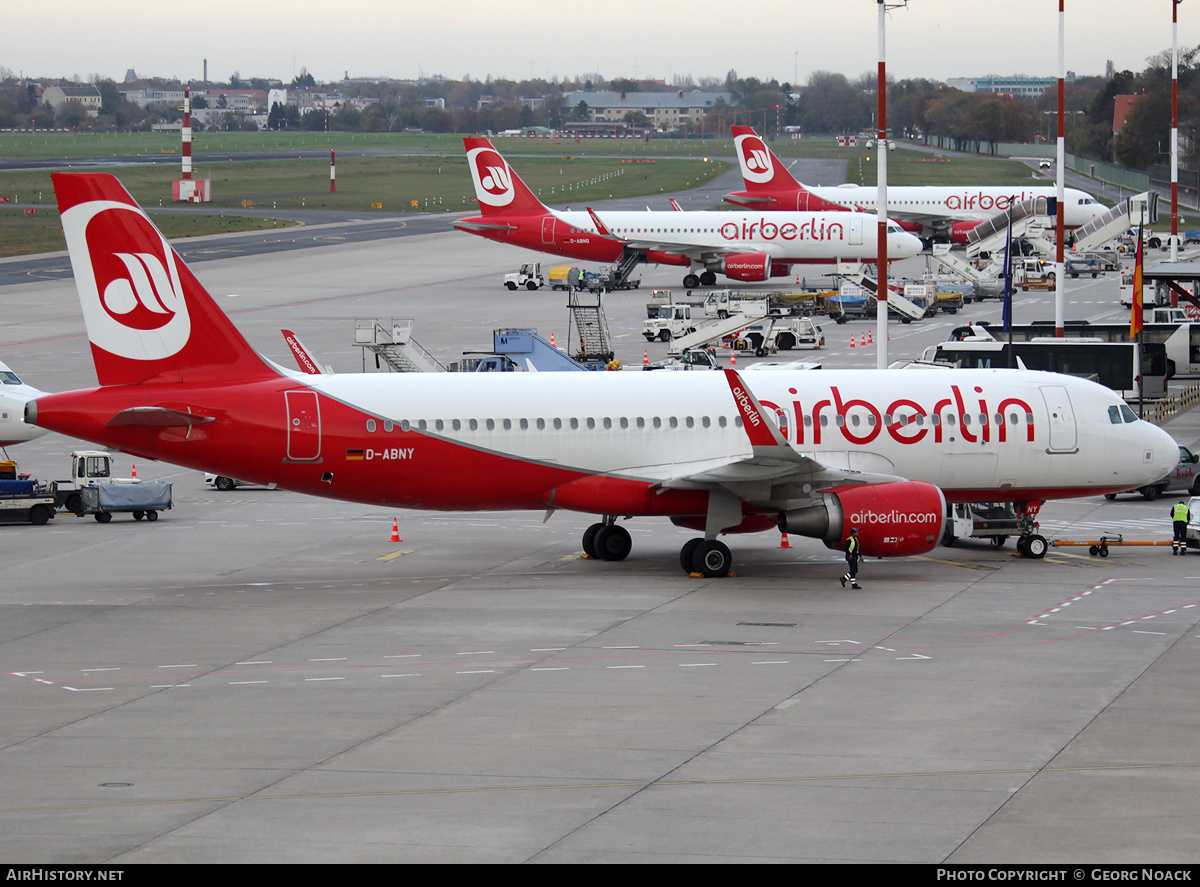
point(1179, 512)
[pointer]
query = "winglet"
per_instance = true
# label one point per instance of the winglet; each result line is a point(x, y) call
point(762, 431)
point(601, 228)
point(304, 358)
point(675, 205)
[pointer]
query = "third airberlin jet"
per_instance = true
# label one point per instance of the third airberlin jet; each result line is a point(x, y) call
point(944, 212)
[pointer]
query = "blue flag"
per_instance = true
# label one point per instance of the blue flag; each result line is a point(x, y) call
point(1006, 316)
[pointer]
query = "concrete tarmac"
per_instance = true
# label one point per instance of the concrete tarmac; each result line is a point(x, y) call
point(264, 677)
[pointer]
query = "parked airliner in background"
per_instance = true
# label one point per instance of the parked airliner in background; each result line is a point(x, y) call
point(14, 394)
point(743, 247)
point(933, 211)
point(812, 452)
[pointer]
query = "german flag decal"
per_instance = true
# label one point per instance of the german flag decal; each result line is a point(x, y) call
point(355, 455)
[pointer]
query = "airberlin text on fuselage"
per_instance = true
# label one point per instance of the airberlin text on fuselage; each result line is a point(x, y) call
point(764, 229)
point(980, 200)
point(905, 420)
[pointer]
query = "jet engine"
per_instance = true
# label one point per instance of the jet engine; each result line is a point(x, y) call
point(959, 230)
point(894, 519)
point(748, 267)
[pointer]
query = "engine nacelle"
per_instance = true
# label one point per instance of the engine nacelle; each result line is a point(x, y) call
point(747, 267)
point(893, 519)
point(959, 230)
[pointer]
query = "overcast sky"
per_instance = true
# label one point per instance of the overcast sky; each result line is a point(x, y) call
point(784, 39)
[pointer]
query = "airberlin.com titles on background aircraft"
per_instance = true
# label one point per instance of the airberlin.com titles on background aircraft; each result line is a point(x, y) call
point(812, 452)
point(750, 248)
point(932, 210)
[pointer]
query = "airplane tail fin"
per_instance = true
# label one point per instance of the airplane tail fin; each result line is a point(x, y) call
point(761, 169)
point(499, 190)
point(147, 316)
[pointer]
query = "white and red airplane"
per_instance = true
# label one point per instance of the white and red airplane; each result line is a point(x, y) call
point(748, 248)
point(812, 453)
point(14, 394)
point(930, 210)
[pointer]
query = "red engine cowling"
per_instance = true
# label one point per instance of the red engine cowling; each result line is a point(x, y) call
point(748, 267)
point(893, 519)
point(958, 230)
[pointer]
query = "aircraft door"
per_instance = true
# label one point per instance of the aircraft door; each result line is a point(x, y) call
point(548, 230)
point(1063, 436)
point(304, 426)
point(856, 230)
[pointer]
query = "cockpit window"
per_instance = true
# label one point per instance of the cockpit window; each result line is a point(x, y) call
point(7, 377)
point(1130, 415)
point(1114, 414)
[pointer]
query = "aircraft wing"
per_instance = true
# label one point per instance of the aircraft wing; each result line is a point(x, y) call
point(694, 251)
point(772, 459)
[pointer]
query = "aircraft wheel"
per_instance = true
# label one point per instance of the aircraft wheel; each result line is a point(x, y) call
point(712, 559)
point(1021, 540)
point(708, 278)
point(691, 281)
point(589, 540)
point(687, 553)
point(1035, 547)
point(613, 543)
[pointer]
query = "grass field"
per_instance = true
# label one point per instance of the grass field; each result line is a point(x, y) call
point(421, 173)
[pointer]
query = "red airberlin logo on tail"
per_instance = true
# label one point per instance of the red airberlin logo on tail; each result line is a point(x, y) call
point(756, 160)
point(128, 281)
point(492, 177)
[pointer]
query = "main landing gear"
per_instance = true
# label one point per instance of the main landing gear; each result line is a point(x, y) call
point(704, 278)
point(608, 541)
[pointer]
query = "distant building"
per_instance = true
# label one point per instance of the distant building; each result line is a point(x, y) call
point(88, 96)
point(1017, 85)
point(1124, 104)
point(664, 109)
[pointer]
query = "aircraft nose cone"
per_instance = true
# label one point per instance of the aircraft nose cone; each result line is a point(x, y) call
point(1164, 454)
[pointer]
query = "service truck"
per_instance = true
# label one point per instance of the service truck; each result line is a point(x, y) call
point(673, 320)
point(529, 277)
point(23, 498)
point(92, 489)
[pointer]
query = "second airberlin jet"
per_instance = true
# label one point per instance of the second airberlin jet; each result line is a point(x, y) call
point(750, 247)
point(944, 212)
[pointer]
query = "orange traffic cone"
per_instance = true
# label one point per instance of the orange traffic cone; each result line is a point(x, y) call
point(783, 541)
point(863, 341)
point(852, 341)
point(134, 472)
point(870, 338)
point(732, 358)
point(552, 345)
point(646, 358)
point(395, 531)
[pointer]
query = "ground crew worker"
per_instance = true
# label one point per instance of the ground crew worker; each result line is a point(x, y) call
point(853, 553)
point(1179, 516)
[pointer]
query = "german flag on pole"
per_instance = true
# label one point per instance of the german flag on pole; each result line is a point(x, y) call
point(1135, 320)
